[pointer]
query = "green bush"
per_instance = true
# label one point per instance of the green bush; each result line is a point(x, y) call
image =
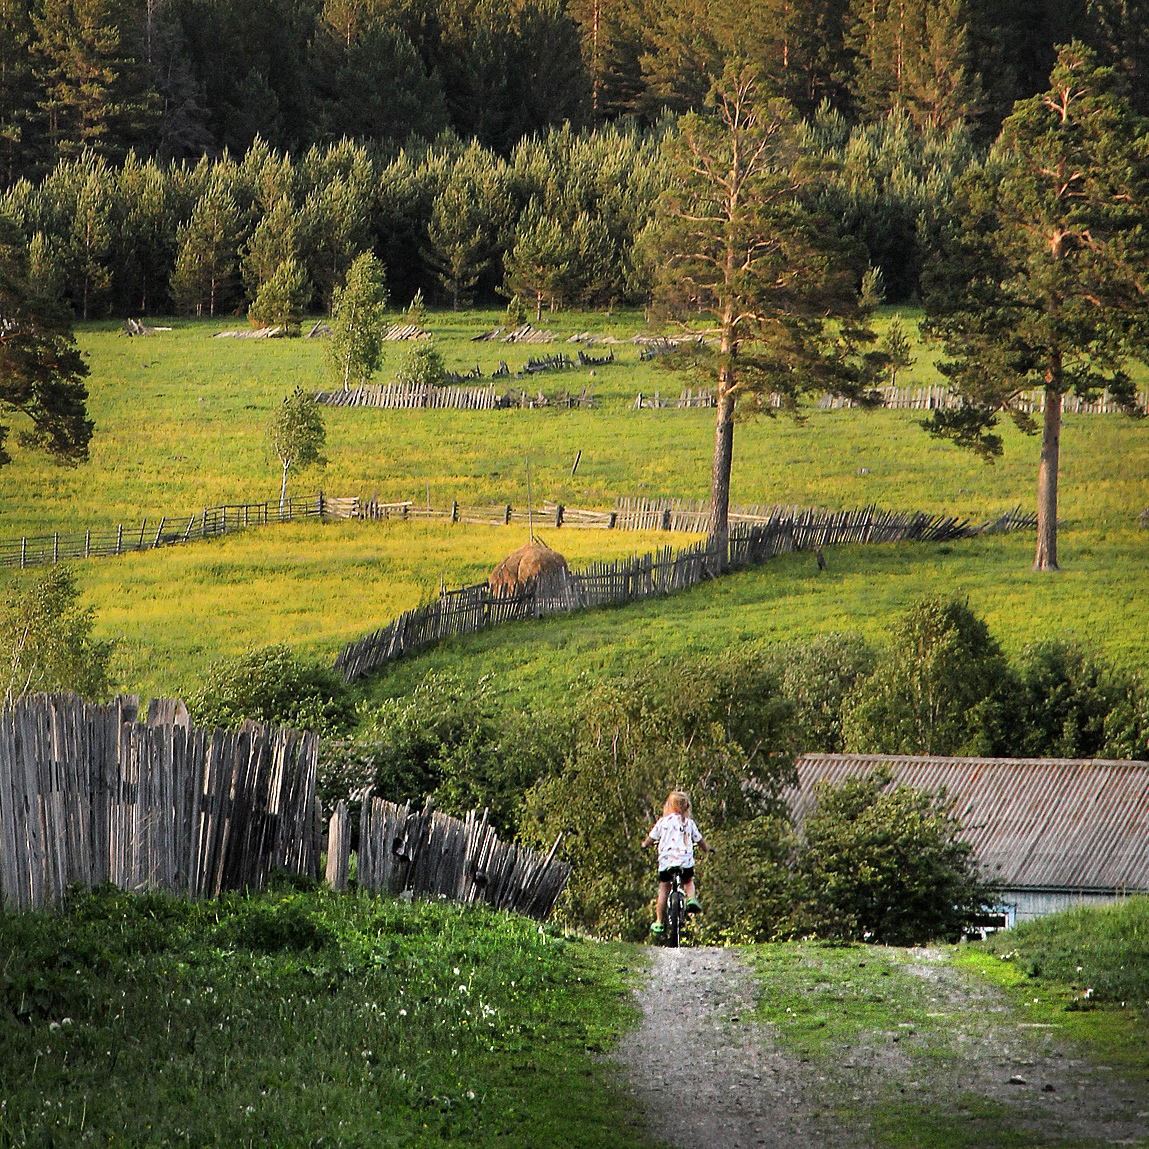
point(943, 687)
point(421, 364)
point(272, 684)
point(1067, 696)
point(817, 677)
point(451, 741)
point(882, 862)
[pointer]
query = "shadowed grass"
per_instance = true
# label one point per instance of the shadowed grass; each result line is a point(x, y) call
point(306, 1019)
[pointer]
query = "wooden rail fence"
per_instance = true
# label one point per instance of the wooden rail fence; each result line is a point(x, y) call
point(89, 794)
point(752, 540)
point(169, 530)
point(432, 855)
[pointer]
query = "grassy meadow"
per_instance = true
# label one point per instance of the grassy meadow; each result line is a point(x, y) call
point(306, 1018)
point(180, 423)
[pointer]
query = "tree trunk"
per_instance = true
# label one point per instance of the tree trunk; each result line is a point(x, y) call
point(1046, 557)
point(718, 526)
point(539, 307)
point(283, 492)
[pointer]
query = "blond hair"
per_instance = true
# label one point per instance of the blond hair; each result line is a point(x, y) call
point(677, 802)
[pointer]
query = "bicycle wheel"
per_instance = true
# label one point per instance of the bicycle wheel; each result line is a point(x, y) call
point(675, 914)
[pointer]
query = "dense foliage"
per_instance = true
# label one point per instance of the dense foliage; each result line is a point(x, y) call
point(884, 863)
point(188, 77)
point(272, 684)
point(597, 765)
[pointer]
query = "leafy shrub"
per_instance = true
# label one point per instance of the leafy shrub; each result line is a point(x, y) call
point(1067, 697)
point(750, 883)
point(883, 862)
point(944, 687)
point(817, 677)
point(46, 641)
point(421, 365)
point(453, 742)
point(272, 684)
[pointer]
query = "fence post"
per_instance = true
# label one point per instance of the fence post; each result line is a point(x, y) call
point(559, 515)
point(23, 551)
point(120, 538)
point(507, 519)
point(203, 524)
point(319, 502)
point(223, 524)
point(88, 543)
point(140, 544)
point(55, 546)
point(338, 848)
point(245, 514)
point(159, 531)
point(454, 510)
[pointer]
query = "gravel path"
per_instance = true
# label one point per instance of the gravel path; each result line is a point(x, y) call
point(705, 1074)
point(708, 1075)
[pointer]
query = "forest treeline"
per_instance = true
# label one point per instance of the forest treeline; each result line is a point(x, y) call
point(177, 79)
point(562, 218)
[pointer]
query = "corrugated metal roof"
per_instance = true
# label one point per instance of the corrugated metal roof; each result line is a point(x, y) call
point(1036, 823)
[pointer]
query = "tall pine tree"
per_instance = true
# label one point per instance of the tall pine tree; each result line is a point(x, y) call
point(1041, 282)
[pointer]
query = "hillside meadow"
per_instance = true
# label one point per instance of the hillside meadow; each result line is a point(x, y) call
point(180, 424)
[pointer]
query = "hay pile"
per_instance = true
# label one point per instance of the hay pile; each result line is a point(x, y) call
point(533, 562)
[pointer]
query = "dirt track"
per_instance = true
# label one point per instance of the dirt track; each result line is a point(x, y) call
point(708, 1075)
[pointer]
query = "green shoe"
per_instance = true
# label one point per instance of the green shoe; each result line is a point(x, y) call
point(693, 906)
point(658, 929)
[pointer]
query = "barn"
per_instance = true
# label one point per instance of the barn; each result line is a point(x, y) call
point(1056, 832)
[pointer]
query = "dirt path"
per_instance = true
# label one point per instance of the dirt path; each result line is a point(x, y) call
point(705, 1075)
point(708, 1075)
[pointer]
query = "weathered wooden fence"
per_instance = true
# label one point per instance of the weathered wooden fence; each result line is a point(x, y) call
point(939, 398)
point(169, 530)
point(405, 396)
point(432, 855)
point(474, 608)
point(88, 794)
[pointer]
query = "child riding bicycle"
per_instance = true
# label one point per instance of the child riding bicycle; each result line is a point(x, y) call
point(676, 834)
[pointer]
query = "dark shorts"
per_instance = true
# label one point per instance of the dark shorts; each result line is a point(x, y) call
point(687, 873)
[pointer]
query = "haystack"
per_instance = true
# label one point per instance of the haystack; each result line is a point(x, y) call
point(535, 561)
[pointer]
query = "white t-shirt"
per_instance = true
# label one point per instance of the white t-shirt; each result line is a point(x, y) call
point(675, 836)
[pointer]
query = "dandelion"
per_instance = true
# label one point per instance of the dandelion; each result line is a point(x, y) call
point(470, 1095)
point(402, 1013)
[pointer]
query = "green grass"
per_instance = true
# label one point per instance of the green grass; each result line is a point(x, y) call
point(180, 424)
point(304, 1019)
point(853, 1009)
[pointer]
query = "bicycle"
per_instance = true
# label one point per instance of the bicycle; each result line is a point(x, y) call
point(675, 908)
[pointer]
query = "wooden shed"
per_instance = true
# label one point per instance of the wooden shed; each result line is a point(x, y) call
point(1056, 832)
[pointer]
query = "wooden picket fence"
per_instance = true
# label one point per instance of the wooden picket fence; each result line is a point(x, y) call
point(752, 539)
point(89, 794)
point(169, 530)
point(431, 855)
point(938, 397)
point(405, 396)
